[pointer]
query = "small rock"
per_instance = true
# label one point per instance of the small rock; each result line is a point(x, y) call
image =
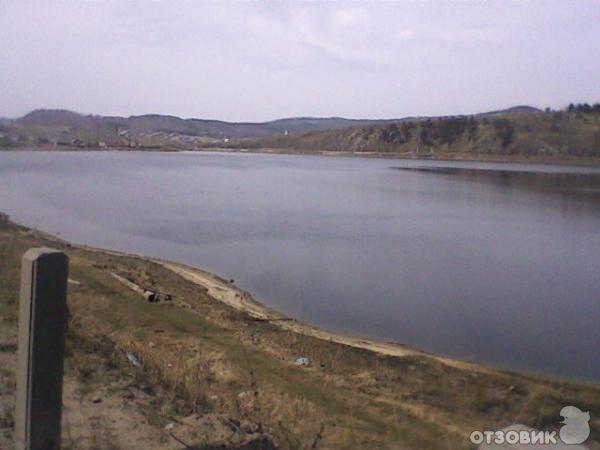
point(97, 400)
point(169, 426)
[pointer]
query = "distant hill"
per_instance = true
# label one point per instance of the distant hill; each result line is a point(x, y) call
point(54, 117)
point(519, 132)
point(193, 127)
point(513, 109)
point(202, 127)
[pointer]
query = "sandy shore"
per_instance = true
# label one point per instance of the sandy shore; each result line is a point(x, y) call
point(241, 300)
point(234, 296)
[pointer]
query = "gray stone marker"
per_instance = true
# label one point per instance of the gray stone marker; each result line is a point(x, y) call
point(42, 323)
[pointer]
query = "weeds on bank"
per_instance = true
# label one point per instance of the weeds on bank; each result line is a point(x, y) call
point(9, 276)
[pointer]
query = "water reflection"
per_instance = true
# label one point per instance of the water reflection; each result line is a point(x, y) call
point(577, 185)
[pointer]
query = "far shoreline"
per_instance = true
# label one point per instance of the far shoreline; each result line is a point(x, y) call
point(461, 157)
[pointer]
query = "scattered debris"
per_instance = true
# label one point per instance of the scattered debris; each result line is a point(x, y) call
point(151, 295)
point(73, 282)
point(133, 359)
point(302, 361)
point(169, 426)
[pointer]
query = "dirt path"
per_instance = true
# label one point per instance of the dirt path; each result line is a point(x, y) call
point(103, 415)
point(102, 419)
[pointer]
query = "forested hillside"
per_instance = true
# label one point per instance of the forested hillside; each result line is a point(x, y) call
point(574, 132)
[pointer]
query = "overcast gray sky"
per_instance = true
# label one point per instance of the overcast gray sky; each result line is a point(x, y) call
point(262, 60)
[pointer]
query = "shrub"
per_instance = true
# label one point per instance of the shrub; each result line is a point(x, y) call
point(504, 130)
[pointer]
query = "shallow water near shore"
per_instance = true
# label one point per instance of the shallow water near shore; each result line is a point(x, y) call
point(491, 262)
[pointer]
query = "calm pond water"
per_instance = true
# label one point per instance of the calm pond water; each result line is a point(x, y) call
point(491, 262)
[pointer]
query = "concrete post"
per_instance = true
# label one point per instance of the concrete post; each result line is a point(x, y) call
point(42, 323)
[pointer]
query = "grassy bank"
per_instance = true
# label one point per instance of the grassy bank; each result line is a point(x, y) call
point(213, 376)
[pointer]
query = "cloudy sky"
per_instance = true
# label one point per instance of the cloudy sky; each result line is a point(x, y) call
point(262, 60)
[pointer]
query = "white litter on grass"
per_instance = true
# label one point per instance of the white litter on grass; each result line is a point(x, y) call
point(302, 361)
point(133, 360)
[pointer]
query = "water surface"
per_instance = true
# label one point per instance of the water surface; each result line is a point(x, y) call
point(491, 262)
